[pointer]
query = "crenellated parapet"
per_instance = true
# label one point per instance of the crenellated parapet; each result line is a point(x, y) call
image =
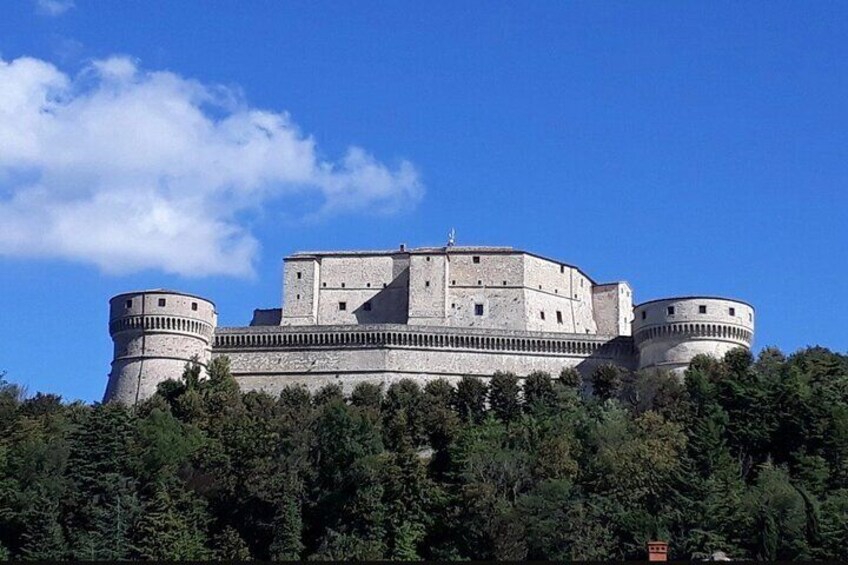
point(403, 336)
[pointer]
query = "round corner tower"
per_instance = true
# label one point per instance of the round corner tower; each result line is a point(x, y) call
point(155, 332)
point(671, 331)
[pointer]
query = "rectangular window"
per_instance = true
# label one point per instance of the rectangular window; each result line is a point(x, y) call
point(504, 283)
point(129, 303)
point(479, 283)
point(476, 259)
point(562, 268)
point(670, 310)
point(702, 309)
point(428, 258)
point(343, 285)
point(161, 302)
point(367, 285)
point(298, 297)
point(559, 317)
point(478, 309)
point(732, 311)
point(426, 283)
point(299, 275)
point(194, 306)
point(342, 306)
point(453, 283)
point(324, 285)
point(644, 314)
point(367, 306)
point(542, 314)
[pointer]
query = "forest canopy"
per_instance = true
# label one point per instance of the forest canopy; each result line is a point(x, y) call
point(741, 455)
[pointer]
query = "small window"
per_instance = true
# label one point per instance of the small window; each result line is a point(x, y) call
point(367, 306)
point(426, 283)
point(298, 297)
point(479, 283)
point(731, 311)
point(476, 259)
point(161, 302)
point(342, 306)
point(750, 317)
point(644, 314)
point(324, 285)
point(453, 283)
point(540, 287)
point(384, 285)
point(670, 310)
point(129, 303)
point(478, 309)
point(504, 283)
point(428, 258)
point(194, 306)
point(556, 291)
point(299, 275)
point(562, 268)
point(559, 317)
point(343, 285)
point(702, 309)
point(453, 305)
point(542, 314)
point(367, 285)
point(581, 282)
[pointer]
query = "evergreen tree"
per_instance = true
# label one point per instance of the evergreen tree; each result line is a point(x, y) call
point(607, 381)
point(503, 396)
point(470, 399)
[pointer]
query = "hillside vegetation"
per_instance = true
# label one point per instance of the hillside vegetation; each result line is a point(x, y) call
point(745, 456)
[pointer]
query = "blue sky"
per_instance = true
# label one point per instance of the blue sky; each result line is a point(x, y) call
point(688, 148)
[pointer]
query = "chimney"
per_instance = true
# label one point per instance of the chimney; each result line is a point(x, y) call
point(402, 247)
point(657, 551)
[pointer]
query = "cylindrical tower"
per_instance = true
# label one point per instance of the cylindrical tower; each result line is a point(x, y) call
point(671, 331)
point(155, 333)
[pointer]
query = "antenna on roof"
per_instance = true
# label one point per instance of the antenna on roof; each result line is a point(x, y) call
point(451, 237)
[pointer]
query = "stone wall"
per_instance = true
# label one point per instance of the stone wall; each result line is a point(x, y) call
point(155, 333)
point(671, 331)
point(271, 359)
point(612, 306)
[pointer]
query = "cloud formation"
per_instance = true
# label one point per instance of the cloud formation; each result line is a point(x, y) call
point(131, 169)
point(53, 8)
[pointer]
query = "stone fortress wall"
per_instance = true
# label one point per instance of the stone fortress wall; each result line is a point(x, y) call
point(380, 316)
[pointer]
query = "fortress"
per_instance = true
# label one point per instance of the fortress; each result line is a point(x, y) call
point(423, 313)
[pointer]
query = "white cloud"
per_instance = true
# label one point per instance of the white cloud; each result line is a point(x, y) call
point(53, 8)
point(130, 169)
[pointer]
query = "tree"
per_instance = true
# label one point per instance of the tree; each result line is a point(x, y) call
point(607, 381)
point(571, 378)
point(173, 529)
point(503, 396)
point(539, 393)
point(470, 399)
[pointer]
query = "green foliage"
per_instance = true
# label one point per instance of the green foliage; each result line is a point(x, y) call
point(742, 455)
point(607, 381)
point(503, 396)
